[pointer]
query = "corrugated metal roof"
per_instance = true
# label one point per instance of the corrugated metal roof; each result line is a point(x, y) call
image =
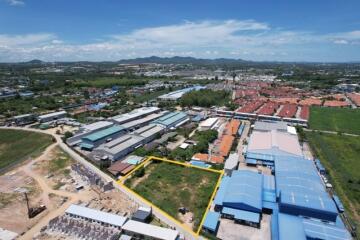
point(171, 118)
point(103, 133)
point(242, 215)
point(96, 215)
point(150, 230)
point(134, 114)
point(96, 125)
point(211, 220)
point(243, 191)
point(298, 184)
point(298, 228)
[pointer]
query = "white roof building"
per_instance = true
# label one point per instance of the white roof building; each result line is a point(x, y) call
point(96, 126)
point(135, 114)
point(208, 123)
point(149, 230)
point(96, 215)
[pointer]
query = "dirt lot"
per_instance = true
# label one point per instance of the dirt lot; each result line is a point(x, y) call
point(13, 211)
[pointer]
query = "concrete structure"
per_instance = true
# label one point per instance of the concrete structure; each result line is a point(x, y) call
point(172, 120)
point(209, 123)
point(51, 116)
point(146, 231)
point(98, 137)
point(96, 216)
point(176, 95)
point(231, 163)
point(135, 114)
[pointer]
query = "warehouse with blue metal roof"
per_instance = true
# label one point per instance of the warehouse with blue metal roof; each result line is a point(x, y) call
point(240, 197)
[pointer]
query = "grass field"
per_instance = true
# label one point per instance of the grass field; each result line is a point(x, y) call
point(170, 187)
point(335, 119)
point(17, 145)
point(340, 156)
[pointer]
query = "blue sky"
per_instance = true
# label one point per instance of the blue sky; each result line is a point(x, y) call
point(70, 30)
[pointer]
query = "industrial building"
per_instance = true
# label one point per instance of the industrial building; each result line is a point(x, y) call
point(134, 114)
point(96, 126)
point(93, 140)
point(132, 125)
point(172, 120)
point(176, 95)
point(209, 123)
point(86, 130)
point(24, 119)
point(51, 116)
point(240, 197)
point(94, 215)
point(272, 141)
point(140, 230)
point(122, 146)
point(295, 195)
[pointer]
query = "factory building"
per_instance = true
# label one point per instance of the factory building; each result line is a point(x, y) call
point(86, 130)
point(122, 146)
point(138, 123)
point(172, 120)
point(300, 191)
point(24, 119)
point(134, 115)
point(240, 197)
point(51, 116)
point(96, 126)
point(108, 219)
point(93, 140)
point(208, 124)
point(176, 95)
point(265, 145)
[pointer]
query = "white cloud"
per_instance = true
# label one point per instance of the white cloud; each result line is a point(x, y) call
point(231, 38)
point(15, 2)
point(27, 39)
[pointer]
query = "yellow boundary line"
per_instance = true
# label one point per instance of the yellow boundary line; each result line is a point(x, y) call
point(197, 233)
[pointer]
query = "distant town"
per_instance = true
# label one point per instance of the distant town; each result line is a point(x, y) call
point(179, 148)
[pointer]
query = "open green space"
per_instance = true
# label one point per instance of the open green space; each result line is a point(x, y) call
point(340, 156)
point(171, 186)
point(17, 145)
point(344, 120)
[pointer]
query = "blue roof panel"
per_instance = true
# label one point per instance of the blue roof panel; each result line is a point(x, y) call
point(244, 191)
point(242, 215)
point(211, 221)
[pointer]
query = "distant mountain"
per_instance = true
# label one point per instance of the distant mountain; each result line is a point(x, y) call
point(181, 60)
point(35, 62)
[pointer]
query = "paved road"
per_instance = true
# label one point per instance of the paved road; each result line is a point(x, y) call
point(106, 177)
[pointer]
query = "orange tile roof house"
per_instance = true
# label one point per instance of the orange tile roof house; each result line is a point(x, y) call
point(205, 158)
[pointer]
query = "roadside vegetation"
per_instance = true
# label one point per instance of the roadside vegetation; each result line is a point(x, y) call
point(340, 156)
point(170, 187)
point(17, 146)
point(343, 120)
